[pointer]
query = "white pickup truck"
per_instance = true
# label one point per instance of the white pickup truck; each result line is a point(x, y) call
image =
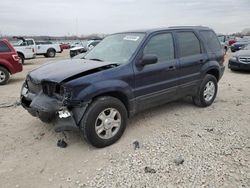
point(29, 48)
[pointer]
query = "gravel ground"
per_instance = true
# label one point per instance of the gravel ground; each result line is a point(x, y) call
point(174, 145)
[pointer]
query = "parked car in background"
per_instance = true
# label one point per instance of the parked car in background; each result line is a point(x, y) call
point(85, 46)
point(78, 43)
point(240, 44)
point(240, 59)
point(224, 41)
point(9, 61)
point(80, 56)
point(231, 42)
point(25, 50)
point(46, 48)
point(64, 46)
point(124, 74)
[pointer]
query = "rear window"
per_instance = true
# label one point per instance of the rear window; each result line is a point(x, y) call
point(211, 40)
point(4, 47)
point(189, 44)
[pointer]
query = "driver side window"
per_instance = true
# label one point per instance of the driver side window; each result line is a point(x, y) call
point(162, 46)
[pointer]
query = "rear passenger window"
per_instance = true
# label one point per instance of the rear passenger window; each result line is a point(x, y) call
point(211, 40)
point(162, 46)
point(189, 44)
point(4, 47)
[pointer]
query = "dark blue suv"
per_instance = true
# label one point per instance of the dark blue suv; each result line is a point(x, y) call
point(123, 75)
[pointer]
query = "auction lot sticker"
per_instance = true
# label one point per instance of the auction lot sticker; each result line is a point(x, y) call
point(130, 37)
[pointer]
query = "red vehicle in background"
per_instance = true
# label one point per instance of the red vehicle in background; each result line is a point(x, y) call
point(9, 61)
point(64, 46)
point(231, 41)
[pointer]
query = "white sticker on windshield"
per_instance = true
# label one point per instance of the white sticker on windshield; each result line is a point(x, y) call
point(130, 37)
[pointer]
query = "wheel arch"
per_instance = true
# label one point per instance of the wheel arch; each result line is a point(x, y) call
point(21, 53)
point(114, 88)
point(4, 65)
point(116, 94)
point(51, 49)
point(215, 72)
point(212, 68)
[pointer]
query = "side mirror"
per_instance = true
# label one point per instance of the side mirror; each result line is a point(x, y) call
point(148, 59)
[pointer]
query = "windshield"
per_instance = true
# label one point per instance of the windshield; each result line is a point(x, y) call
point(18, 43)
point(117, 48)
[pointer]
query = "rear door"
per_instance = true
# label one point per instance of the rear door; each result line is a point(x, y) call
point(191, 59)
point(157, 83)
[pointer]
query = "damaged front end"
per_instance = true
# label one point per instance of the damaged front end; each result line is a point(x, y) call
point(51, 102)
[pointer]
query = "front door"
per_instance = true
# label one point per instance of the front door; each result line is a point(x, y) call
point(157, 83)
point(191, 59)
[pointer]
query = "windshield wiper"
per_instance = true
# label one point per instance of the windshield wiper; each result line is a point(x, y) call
point(96, 59)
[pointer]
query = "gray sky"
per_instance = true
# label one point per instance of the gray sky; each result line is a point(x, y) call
point(65, 17)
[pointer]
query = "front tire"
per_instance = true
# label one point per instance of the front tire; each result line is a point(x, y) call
point(104, 121)
point(4, 76)
point(206, 92)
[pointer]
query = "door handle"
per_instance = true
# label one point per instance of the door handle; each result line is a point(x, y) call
point(171, 67)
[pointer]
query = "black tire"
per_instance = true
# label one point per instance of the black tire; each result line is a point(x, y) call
point(51, 53)
point(199, 99)
point(4, 75)
point(233, 70)
point(88, 123)
point(45, 55)
point(21, 58)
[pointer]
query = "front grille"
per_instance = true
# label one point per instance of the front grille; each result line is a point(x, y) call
point(33, 87)
point(244, 59)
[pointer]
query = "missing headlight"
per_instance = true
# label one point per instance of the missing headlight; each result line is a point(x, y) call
point(53, 89)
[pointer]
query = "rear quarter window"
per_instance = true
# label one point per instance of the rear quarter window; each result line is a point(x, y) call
point(211, 40)
point(4, 47)
point(189, 44)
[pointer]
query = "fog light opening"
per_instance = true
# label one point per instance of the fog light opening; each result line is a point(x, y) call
point(64, 113)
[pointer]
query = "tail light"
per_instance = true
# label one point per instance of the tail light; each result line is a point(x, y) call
point(15, 57)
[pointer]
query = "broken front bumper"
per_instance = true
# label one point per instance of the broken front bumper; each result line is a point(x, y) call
point(51, 110)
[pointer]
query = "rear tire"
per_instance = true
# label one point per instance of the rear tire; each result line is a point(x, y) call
point(104, 121)
point(4, 75)
point(21, 58)
point(206, 92)
point(51, 53)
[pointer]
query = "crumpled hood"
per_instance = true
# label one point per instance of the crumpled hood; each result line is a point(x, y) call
point(61, 70)
point(243, 53)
